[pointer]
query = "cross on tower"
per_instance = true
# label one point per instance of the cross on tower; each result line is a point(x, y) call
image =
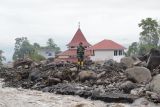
point(78, 24)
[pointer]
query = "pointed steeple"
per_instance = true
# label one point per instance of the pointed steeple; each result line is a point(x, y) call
point(78, 37)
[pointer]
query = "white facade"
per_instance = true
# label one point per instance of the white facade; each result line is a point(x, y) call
point(102, 55)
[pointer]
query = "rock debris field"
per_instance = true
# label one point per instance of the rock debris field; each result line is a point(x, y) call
point(134, 82)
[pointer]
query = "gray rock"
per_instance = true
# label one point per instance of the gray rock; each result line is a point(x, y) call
point(35, 74)
point(73, 69)
point(153, 62)
point(101, 74)
point(127, 86)
point(155, 84)
point(87, 75)
point(153, 96)
point(137, 63)
point(128, 61)
point(109, 62)
point(138, 91)
point(53, 81)
point(139, 74)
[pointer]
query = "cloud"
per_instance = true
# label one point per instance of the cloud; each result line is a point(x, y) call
point(100, 19)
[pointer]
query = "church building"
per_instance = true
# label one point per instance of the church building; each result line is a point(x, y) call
point(71, 53)
point(104, 50)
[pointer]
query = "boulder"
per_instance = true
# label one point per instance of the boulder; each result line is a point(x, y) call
point(127, 86)
point(53, 81)
point(87, 75)
point(35, 74)
point(128, 61)
point(153, 62)
point(155, 84)
point(153, 96)
point(139, 74)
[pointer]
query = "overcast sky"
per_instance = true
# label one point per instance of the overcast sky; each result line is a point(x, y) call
point(58, 19)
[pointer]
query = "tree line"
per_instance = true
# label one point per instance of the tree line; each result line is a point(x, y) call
point(149, 37)
point(23, 48)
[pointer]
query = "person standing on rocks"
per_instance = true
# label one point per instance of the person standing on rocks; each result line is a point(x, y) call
point(80, 54)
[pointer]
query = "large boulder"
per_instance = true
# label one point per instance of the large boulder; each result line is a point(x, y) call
point(155, 84)
point(129, 61)
point(153, 62)
point(35, 74)
point(139, 74)
point(153, 59)
point(87, 75)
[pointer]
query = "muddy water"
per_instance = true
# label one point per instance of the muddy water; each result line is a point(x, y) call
point(12, 97)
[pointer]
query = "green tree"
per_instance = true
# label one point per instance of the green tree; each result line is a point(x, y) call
point(133, 49)
point(36, 46)
point(52, 45)
point(2, 58)
point(18, 45)
point(149, 37)
point(23, 49)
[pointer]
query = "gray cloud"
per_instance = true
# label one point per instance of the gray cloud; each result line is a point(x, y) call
point(100, 19)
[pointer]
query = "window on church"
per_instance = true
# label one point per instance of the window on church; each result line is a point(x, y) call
point(120, 52)
point(115, 53)
point(93, 53)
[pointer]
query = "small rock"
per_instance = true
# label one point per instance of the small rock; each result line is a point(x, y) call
point(138, 91)
point(53, 81)
point(127, 86)
point(109, 62)
point(73, 69)
point(137, 63)
point(26, 66)
point(101, 74)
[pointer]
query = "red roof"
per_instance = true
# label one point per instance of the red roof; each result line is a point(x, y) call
point(106, 45)
point(78, 37)
point(73, 52)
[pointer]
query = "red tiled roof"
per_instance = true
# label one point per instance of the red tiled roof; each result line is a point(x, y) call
point(106, 45)
point(73, 52)
point(78, 37)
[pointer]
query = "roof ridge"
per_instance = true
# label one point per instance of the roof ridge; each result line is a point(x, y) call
point(107, 44)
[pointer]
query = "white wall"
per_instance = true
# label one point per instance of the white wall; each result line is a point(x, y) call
point(101, 55)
